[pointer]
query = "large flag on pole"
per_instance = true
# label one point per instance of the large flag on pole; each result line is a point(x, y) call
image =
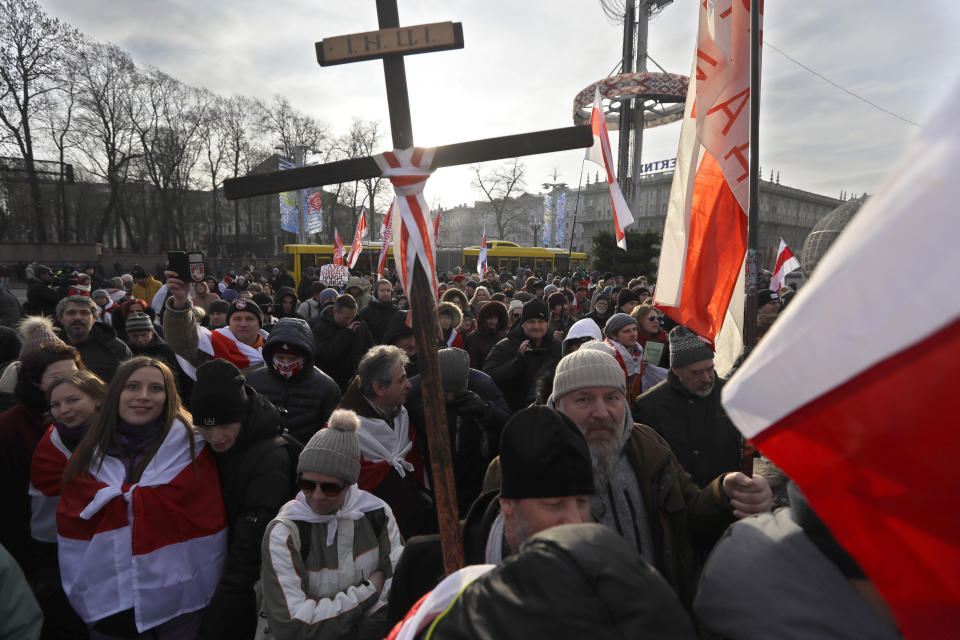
point(601, 154)
point(357, 247)
point(337, 247)
point(705, 236)
point(482, 256)
point(856, 404)
point(786, 262)
point(436, 226)
point(386, 231)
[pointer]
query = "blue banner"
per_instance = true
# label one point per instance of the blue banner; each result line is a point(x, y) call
point(561, 205)
point(289, 220)
point(545, 230)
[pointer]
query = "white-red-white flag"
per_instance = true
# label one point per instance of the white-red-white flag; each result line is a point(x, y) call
point(357, 247)
point(482, 256)
point(436, 226)
point(601, 154)
point(337, 247)
point(855, 405)
point(705, 235)
point(386, 231)
point(786, 262)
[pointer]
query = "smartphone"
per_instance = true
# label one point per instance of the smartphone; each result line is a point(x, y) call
point(178, 261)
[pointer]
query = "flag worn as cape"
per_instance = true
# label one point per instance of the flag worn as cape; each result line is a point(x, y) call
point(855, 404)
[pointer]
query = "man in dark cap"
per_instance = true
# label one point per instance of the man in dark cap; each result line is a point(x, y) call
point(256, 477)
point(768, 302)
point(42, 298)
point(685, 410)
point(216, 314)
point(527, 355)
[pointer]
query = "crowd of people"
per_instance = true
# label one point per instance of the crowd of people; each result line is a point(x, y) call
point(247, 456)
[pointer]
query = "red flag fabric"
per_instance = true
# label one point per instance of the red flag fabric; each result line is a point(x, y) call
point(786, 262)
point(854, 404)
point(436, 226)
point(357, 247)
point(337, 247)
point(601, 154)
point(386, 232)
point(408, 170)
point(705, 235)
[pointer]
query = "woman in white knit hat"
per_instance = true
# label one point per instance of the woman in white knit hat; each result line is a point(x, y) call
point(328, 556)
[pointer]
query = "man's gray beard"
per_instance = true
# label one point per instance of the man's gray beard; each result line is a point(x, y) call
point(703, 394)
point(604, 457)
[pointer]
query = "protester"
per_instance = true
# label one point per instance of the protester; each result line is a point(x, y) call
point(599, 307)
point(401, 335)
point(515, 310)
point(527, 354)
point(20, 615)
point(256, 478)
point(202, 296)
point(621, 334)
point(492, 324)
point(305, 289)
point(380, 311)
point(145, 286)
point(74, 402)
point(768, 302)
point(320, 296)
point(42, 298)
point(806, 585)
point(32, 333)
point(341, 339)
point(643, 493)
point(685, 410)
point(130, 571)
point(650, 329)
point(567, 581)
point(391, 447)
point(359, 289)
point(329, 555)
point(581, 332)
point(450, 317)
point(304, 395)
point(100, 349)
point(287, 302)
point(216, 314)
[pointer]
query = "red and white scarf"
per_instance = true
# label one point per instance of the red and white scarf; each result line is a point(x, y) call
point(221, 343)
point(383, 447)
point(46, 473)
point(157, 546)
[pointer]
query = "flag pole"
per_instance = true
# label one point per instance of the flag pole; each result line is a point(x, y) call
point(573, 227)
point(753, 214)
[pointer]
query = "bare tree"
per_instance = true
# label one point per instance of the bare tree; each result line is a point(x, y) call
point(290, 128)
point(215, 137)
point(104, 132)
point(362, 140)
point(30, 56)
point(238, 115)
point(497, 184)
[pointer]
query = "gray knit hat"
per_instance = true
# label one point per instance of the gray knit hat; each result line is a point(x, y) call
point(335, 449)
point(587, 368)
point(686, 348)
point(139, 322)
point(616, 322)
point(100, 293)
point(516, 304)
point(454, 368)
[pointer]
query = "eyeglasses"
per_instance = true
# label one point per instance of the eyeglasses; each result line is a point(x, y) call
point(329, 489)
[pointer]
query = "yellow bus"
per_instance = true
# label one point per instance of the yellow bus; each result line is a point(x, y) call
point(501, 254)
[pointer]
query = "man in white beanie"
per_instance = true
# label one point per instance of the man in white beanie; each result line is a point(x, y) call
point(329, 555)
point(641, 490)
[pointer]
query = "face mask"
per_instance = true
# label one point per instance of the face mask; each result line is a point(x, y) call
point(287, 369)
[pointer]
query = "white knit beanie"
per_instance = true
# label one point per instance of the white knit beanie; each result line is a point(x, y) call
point(587, 368)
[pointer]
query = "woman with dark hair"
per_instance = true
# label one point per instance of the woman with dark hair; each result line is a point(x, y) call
point(20, 430)
point(141, 523)
point(74, 401)
point(492, 325)
point(458, 298)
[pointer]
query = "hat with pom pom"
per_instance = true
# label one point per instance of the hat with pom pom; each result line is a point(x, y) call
point(335, 449)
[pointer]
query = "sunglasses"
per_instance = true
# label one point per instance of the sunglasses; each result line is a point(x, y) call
point(329, 489)
point(654, 318)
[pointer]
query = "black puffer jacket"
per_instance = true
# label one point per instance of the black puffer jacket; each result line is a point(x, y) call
point(339, 349)
point(377, 315)
point(257, 478)
point(570, 581)
point(305, 400)
point(516, 374)
point(102, 351)
point(41, 298)
point(10, 311)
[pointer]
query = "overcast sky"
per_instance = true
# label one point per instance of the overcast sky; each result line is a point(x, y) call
point(524, 62)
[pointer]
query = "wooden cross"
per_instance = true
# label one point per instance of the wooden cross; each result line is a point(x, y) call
point(390, 44)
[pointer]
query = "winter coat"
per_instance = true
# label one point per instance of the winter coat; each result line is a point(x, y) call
point(697, 429)
point(306, 399)
point(573, 581)
point(377, 315)
point(479, 343)
point(474, 435)
point(10, 311)
point(517, 374)
point(304, 289)
point(339, 349)
point(147, 290)
point(102, 351)
point(20, 431)
point(282, 279)
point(257, 478)
point(41, 298)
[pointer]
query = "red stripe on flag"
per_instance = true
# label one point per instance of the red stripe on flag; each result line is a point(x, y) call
point(875, 458)
point(782, 258)
point(224, 347)
point(74, 499)
point(193, 496)
point(717, 244)
point(47, 465)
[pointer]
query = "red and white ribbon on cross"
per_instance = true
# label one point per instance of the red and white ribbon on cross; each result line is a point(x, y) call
point(408, 170)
